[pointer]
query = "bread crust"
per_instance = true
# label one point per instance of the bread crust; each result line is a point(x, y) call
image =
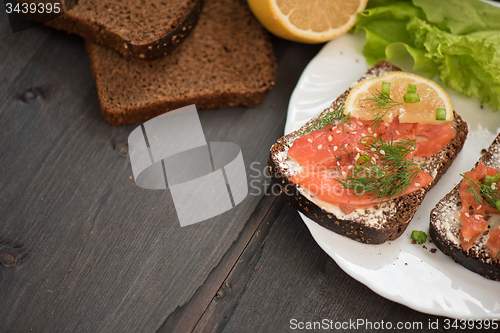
point(404, 206)
point(206, 100)
point(214, 68)
point(85, 24)
point(474, 259)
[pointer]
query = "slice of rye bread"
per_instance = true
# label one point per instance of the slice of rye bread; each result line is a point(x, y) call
point(445, 224)
point(142, 29)
point(376, 225)
point(228, 60)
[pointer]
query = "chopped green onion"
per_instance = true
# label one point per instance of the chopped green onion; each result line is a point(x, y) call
point(364, 158)
point(488, 180)
point(418, 236)
point(361, 161)
point(412, 88)
point(386, 88)
point(411, 94)
point(411, 98)
point(440, 114)
point(497, 204)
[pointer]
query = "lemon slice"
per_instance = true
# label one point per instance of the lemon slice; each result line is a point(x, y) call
point(307, 21)
point(432, 97)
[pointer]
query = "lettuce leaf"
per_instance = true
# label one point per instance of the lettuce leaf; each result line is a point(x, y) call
point(462, 16)
point(465, 53)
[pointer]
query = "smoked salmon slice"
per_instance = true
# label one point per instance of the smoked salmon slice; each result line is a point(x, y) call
point(329, 154)
point(327, 188)
point(493, 243)
point(472, 213)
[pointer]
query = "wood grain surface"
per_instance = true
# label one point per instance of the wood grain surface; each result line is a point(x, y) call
point(284, 275)
point(85, 250)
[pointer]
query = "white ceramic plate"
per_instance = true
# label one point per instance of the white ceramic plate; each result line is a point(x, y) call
point(399, 270)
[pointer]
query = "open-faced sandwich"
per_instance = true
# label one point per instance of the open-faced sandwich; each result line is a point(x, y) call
point(465, 223)
point(362, 167)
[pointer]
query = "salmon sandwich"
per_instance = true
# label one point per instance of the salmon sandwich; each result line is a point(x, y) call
point(465, 224)
point(362, 167)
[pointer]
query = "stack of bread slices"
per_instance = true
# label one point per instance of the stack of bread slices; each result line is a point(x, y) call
point(153, 56)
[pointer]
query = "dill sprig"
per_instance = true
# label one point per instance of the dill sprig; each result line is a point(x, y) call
point(483, 194)
point(336, 116)
point(382, 103)
point(392, 173)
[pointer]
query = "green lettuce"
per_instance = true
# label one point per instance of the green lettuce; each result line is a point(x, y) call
point(459, 40)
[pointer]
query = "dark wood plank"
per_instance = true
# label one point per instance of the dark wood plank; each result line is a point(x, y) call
point(283, 275)
point(51, 147)
point(16, 49)
point(60, 89)
point(292, 58)
point(185, 318)
point(97, 253)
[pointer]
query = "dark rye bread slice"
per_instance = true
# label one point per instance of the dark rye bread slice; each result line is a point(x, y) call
point(445, 224)
point(228, 60)
point(374, 225)
point(142, 29)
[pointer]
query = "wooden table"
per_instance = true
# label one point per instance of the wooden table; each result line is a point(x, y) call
point(83, 249)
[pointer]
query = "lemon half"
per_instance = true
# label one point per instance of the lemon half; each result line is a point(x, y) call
point(307, 21)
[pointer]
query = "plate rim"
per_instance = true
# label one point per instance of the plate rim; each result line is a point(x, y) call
point(289, 126)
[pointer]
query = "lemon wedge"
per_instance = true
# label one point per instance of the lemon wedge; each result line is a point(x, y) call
point(433, 105)
point(307, 21)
